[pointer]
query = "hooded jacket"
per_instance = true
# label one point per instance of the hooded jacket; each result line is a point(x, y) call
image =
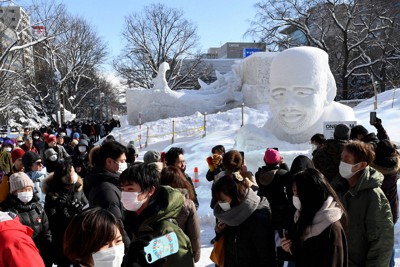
point(17, 248)
point(327, 159)
point(159, 219)
point(389, 186)
point(105, 193)
point(61, 204)
point(370, 231)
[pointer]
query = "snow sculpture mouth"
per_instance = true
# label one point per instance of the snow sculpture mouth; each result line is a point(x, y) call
point(290, 117)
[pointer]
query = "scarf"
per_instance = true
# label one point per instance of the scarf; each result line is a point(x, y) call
point(238, 214)
point(329, 213)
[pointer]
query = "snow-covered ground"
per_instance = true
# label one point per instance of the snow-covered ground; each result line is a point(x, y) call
point(222, 128)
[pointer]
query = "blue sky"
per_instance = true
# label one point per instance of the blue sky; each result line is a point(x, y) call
point(218, 21)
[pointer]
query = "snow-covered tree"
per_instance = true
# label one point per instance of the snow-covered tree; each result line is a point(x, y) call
point(154, 35)
point(359, 35)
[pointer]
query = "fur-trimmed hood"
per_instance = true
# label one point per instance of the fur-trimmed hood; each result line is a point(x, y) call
point(49, 184)
point(388, 171)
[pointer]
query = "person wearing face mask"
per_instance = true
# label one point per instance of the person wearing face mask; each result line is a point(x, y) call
point(319, 240)
point(93, 239)
point(327, 158)
point(37, 139)
point(370, 232)
point(156, 209)
point(24, 203)
point(16, 158)
point(64, 199)
point(81, 155)
point(244, 220)
point(317, 142)
point(51, 143)
point(103, 180)
point(20, 141)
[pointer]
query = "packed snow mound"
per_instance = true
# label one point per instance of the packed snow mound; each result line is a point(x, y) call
point(247, 83)
point(301, 93)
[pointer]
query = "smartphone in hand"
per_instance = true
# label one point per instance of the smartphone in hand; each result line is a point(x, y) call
point(372, 117)
point(161, 247)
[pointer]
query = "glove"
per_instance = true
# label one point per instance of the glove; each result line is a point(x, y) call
point(216, 160)
point(210, 164)
point(378, 123)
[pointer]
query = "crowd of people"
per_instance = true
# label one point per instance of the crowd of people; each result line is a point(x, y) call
point(66, 201)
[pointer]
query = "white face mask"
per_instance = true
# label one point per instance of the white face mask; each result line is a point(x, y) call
point(36, 137)
point(3, 136)
point(345, 170)
point(122, 167)
point(20, 143)
point(81, 149)
point(130, 201)
point(296, 203)
point(110, 257)
point(7, 149)
point(53, 158)
point(225, 206)
point(25, 197)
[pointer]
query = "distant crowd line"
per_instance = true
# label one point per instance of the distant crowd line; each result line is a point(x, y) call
point(67, 202)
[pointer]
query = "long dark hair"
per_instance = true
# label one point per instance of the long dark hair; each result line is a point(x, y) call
point(175, 178)
point(313, 189)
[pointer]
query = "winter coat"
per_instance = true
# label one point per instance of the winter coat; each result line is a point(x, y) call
point(5, 162)
point(61, 204)
point(17, 248)
point(273, 184)
point(32, 149)
point(196, 201)
point(370, 231)
point(59, 149)
point(105, 192)
point(389, 186)
point(38, 143)
point(327, 159)
point(188, 221)
point(33, 215)
point(328, 249)
point(159, 219)
point(251, 243)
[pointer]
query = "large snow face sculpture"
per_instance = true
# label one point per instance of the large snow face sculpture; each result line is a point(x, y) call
point(301, 85)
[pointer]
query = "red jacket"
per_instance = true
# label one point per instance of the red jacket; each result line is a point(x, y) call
point(17, 248)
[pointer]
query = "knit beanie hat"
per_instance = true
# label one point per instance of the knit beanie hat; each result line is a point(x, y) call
point(17, 153)
point(272, 157)
point(29, 158)
point(49, 152)
point(8, 142)
point(83, 142)
point(342, 132)
point(75, 135)
point(74, 142)
point(385, 154)
point(49, 137)
point(151, 156)
point(19, 180)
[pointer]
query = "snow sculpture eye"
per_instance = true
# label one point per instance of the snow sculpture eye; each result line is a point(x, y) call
point(278, 93)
